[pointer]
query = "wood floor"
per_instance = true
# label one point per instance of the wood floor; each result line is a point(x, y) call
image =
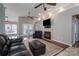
point(64, 46)
point(61, 45)
point(71, 51)
point(67, 51)
point(58, 44)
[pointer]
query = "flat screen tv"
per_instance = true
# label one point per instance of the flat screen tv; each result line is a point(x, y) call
point(47, 23)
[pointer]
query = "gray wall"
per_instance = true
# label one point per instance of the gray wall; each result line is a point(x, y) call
point(2, 17)
point(62, 26)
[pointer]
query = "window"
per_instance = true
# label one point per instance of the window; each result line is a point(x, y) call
point(7, 28)
point(11, 30)
point(27, 29)
point(14, 28)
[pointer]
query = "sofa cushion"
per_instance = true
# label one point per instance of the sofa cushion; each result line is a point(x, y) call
point(2, 44)
point(15, 44)
point(16, 49)
point(19, 39)
point(19, 51)
point(22, 53)
point(5, 50)
point(6, 38)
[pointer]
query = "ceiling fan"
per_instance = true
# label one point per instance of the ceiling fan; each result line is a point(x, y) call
point(44, 7)
point(30, 16)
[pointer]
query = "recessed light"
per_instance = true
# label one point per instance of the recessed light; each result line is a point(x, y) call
point(61, 9)
point(39, 19)
point(43, 17)
point(50, 14)
point(39, 14)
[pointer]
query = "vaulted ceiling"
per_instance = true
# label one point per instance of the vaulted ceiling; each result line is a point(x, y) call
point(22, 9)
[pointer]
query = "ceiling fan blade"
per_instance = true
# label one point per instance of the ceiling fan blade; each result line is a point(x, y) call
point(54, 4)
point(38, 5)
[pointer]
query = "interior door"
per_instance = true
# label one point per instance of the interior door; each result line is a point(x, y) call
point(75, 29)
point(74, 34)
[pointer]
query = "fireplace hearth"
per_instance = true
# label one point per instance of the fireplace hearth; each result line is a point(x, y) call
point(47, 35)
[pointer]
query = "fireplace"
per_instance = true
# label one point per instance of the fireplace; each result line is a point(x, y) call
point(47, 35)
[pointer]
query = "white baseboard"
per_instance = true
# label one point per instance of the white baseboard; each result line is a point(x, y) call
point(62, 42)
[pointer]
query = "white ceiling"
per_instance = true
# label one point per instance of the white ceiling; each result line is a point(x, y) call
point(21, 9)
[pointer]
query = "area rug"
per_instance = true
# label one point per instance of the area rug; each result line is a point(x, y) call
point(51, 49)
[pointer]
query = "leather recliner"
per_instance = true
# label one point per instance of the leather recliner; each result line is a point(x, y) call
point(12, 42)
point(37, 34)
point(7, 50)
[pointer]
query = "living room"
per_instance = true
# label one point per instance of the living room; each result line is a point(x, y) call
point(38, 29)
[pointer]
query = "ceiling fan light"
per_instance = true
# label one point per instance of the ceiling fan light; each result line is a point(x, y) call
point(61, 9)
point(39, 14)
point(39, 19)
point(50, 14)
point(30, 17)
point(43, 17)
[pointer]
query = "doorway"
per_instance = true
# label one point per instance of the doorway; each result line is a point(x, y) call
point(75, 30)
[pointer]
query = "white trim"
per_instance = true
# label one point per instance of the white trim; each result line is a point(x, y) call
point(62, 42)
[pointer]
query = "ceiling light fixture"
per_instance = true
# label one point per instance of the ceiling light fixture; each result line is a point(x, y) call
point(50, 14)
point(39, 14)
point(61, 9)
point(39, 19)
point(43, 17)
